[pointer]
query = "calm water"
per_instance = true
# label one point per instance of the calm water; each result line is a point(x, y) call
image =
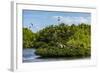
point(30, 56)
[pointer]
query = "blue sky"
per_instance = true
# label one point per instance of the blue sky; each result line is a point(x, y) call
point(41, 19)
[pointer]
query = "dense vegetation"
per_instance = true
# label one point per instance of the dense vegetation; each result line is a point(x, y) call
point(60, 40)
point(28, 38)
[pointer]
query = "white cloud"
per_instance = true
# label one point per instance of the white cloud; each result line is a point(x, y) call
point(73, 20)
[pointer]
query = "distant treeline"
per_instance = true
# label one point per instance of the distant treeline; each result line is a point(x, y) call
point(60, 40)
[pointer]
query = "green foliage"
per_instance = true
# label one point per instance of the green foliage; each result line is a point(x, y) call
point(61, 40)
point(28, 38)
